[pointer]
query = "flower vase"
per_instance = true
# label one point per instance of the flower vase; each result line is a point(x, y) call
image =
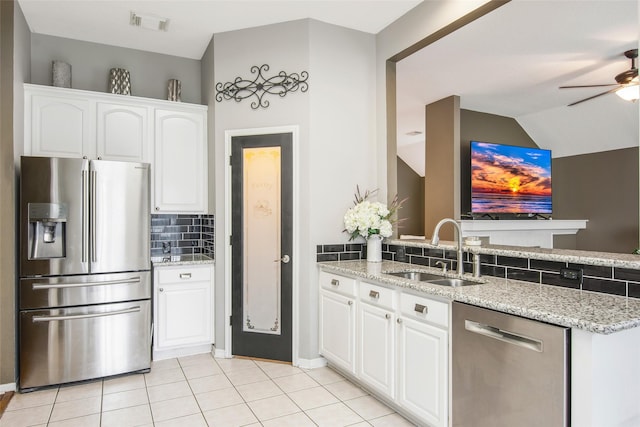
point(374, 248)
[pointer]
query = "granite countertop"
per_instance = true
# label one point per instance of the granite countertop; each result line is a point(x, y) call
point(590, 311)
point(182, 260)
point(608, 259)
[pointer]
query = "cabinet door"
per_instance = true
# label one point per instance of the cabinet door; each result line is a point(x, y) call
point(376, 348)
point(423, 371)
point(58, 126)
point(337, 329)
point(180, 161)
point(184, 315)
point(122, 132)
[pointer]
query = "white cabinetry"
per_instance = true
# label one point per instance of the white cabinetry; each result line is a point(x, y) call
point(338, 320)
point(171, 136)
point(376, 338)
point(73, 123)
point(423, 373)
point(122, 132)
point(57, 124)
point(402, 346)
point(180, 160)
point(183, 310)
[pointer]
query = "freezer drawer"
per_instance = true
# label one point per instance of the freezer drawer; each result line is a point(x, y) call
point(67, 291)
point(507, 371)
point(73, 344)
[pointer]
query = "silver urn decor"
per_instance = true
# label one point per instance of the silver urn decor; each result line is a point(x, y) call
point(120, 81)
point(61, 74)
point(174, 90)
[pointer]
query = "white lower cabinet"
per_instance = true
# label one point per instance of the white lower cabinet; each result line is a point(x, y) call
point(183, 309)
point(376, 339)
point(402, 349)
point(338, 321)
point(423, 371)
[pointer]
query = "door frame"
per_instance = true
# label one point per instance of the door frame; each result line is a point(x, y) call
point(295, 252)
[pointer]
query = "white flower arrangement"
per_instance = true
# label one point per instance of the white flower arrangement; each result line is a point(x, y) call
point(367, 218)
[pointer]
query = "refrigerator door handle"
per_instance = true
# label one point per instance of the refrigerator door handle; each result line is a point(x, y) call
point(94, 177)
point(40, 286)
point(85, 316)
point(85, 216)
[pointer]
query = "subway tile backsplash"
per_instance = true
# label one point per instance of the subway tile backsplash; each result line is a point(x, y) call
point(180, 234)
point(608, 280)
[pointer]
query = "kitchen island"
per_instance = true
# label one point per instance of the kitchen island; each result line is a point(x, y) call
point(605, 333)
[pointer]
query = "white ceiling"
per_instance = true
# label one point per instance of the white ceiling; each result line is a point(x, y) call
point(193, 22)
point(511, 62)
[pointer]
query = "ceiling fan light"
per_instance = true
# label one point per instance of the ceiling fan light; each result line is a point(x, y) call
point(629, 93)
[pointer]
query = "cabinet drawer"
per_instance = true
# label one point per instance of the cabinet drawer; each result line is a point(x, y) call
point(184, 274)
point(377, 295)
point(425, 309)
point(333, 282)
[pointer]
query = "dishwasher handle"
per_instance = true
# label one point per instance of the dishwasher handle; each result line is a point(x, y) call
point(503, 335)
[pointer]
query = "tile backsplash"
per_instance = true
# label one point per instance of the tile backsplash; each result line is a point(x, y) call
point(180, 234)
point(608, 280)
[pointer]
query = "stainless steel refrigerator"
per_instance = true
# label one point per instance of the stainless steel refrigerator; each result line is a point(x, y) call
point(85, 284)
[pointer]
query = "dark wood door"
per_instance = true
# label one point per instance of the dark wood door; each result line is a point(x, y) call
point(262, 213)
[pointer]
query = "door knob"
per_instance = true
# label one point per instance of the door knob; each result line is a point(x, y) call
point(285, 259)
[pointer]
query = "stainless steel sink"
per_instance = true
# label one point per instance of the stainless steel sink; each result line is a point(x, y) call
point(415, 275)
point(453, 282)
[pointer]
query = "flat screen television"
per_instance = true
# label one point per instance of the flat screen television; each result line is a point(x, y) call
point(506, 179)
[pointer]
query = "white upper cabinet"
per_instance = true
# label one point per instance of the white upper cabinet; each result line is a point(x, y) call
point(180, 161)
point(57, 124)
point(122, 132)
point(171, 136)
point(74, 123)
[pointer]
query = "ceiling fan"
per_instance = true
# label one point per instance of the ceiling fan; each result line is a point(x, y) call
point(626, 86)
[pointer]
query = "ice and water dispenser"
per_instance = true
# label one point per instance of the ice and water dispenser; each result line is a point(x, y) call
point(47, 230)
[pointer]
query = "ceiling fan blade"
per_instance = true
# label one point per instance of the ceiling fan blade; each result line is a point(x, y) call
point(594, 96)
point(570, 87)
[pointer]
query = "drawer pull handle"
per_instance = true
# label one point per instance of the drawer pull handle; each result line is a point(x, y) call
point(387, 316)
point(374, 294)
point(398, 320)
point(421, 308)
point(335, 282)
point(350, 303)
point(185, 275)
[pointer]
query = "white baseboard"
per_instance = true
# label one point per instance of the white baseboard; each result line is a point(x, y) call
point(318, 362)
point(7, 387)
point(181, 352)
point(219, 353)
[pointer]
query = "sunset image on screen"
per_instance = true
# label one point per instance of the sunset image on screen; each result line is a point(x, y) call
point(510, 179)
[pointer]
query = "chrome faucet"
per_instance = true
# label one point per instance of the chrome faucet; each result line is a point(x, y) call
point(435, 239)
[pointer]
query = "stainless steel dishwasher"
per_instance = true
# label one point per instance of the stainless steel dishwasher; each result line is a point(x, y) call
point(508, 371)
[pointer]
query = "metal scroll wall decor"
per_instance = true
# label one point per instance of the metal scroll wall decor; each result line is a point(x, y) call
point(280, 84)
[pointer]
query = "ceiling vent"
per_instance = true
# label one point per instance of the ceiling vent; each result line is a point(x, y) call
point(149, 22)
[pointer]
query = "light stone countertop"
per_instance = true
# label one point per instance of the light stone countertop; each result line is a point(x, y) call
point(590, 311)
point(175, 260)
point(608, 259)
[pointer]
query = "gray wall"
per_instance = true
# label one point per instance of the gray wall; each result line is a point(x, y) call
point(603, 188)
point(442, 165)
point(14, 71)
point(476, 126)
point(412, 211)
point(7, 225)
point(91, 62)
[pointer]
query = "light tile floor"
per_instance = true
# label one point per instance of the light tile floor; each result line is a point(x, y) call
point(203, 391)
